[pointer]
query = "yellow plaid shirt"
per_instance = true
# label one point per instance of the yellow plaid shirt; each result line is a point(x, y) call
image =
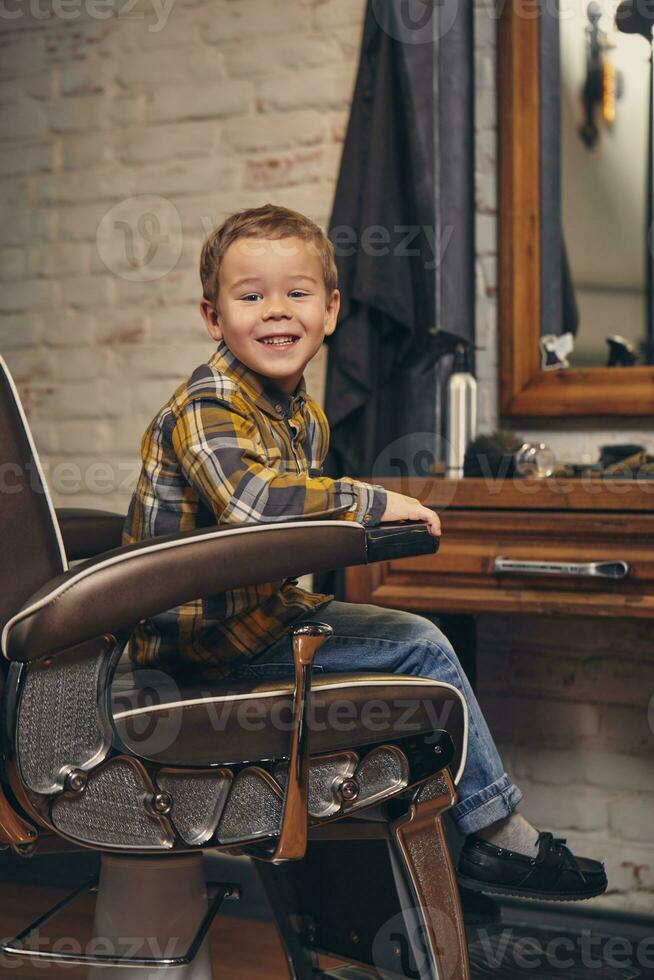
point(231, 448)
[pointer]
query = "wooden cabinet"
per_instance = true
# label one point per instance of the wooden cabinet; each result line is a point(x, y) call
point(535, 521)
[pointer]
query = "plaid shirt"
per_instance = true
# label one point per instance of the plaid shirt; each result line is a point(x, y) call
point(231, 448)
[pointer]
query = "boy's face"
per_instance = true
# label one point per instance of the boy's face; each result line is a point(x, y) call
point(272, 288)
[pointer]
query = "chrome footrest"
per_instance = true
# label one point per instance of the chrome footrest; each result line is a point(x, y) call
point(350, 973)
point(218, 892)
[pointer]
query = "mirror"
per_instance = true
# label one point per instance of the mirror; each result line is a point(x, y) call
point(574, 101)
point(604, 82)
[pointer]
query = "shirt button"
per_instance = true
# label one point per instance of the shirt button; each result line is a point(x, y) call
point(278, 407)
point(367, 519)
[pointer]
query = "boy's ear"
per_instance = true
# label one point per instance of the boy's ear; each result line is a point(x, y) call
point(331, 312)
point(211, 319)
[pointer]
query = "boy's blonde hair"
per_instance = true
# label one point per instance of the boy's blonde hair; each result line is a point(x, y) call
point(267, 221)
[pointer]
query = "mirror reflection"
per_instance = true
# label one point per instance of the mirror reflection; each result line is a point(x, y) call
point(605, 188)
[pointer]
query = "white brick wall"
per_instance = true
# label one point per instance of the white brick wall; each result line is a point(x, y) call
point(212, 106)
point(215, 105)
point(570, 704)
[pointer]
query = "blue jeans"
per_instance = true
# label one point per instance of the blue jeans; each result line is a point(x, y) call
point(372, 638)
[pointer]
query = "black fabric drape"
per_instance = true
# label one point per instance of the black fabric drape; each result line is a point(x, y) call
point(403, 211)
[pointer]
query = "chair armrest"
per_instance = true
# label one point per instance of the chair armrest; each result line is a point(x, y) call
point(89, 532)
point(115, 590)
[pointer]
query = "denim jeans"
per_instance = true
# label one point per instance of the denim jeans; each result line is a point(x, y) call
point(371, 638)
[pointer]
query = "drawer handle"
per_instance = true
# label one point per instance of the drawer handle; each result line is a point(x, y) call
point(592, 569)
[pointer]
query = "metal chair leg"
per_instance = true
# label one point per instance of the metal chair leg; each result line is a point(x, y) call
point(302, 962)
point(154, 904)
point(380, 895)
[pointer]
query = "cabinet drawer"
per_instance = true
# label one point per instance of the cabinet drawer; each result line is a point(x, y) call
point(463, 575)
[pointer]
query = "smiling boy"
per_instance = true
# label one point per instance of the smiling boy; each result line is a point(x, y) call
point(272, 290)
point(241, 441)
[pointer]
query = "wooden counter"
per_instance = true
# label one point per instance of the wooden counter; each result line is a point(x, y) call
point(570, 521)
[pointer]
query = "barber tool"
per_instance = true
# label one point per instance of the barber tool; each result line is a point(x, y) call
point(492, 455)
point(622, 352)
point(535, 459)
point(616, 453)
point(461, 411)
point(604, 83)
point(554, 350)
point(626, 461)
point(503, 454)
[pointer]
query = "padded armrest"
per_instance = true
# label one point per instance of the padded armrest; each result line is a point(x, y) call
point(117, 589)
point(89, 532)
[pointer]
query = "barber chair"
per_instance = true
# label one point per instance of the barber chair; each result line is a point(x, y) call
point(334, 784)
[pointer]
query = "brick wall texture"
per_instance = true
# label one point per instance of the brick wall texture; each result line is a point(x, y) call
point(129, 130)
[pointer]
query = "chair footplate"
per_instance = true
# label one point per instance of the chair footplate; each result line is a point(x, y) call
point(350, 973)
point(218, 892)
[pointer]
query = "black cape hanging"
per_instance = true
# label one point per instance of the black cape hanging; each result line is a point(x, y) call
point(397, 318)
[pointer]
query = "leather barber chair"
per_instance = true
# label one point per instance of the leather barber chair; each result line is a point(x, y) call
point(334, 784)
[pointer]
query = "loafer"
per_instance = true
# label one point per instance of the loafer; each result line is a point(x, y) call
point(555, 874)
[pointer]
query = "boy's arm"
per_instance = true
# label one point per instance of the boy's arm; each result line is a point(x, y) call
point(220, 456)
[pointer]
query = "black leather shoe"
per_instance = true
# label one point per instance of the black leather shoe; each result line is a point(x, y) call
point(554, 874)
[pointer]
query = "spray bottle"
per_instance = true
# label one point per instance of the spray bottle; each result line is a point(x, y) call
point(461, 411)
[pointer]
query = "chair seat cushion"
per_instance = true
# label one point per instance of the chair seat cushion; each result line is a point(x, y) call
point(234, 722)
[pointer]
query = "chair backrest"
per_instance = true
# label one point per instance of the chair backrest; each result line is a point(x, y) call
point(31, 546)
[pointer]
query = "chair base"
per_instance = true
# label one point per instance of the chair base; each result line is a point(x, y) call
point(151, 920)
point(350, 973)
point(380, 894)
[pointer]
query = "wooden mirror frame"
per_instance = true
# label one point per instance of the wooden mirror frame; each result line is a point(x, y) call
point(525, 389)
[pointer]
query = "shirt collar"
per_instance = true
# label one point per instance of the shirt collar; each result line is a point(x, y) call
point(264, 392)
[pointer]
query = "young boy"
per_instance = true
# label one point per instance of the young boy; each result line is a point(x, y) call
point(242, 441)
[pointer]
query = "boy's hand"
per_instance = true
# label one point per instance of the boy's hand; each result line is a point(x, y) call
point(402, 508)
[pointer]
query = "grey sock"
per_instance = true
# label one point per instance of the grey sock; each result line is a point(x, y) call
point(513, 833)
